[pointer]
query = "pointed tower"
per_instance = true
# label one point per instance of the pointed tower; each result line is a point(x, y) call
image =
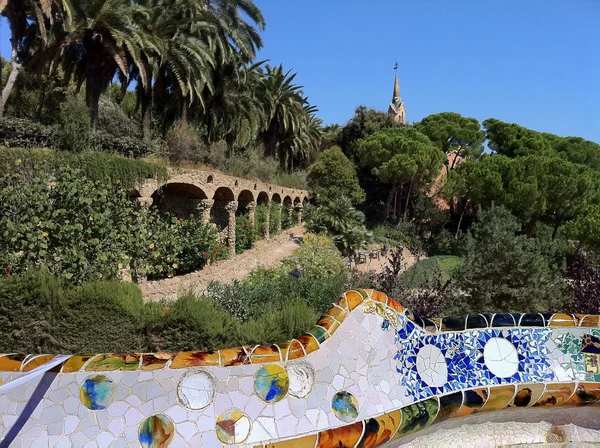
point(396, 108)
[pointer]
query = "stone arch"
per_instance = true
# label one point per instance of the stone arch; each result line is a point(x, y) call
point(262, 198)
point(297, 201)
point(179, 199)
point(276, 198)
point(287, 201)
point(245, 198)
point(224, 194)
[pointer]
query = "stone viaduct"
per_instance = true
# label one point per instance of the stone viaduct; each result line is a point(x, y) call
point(218, 198)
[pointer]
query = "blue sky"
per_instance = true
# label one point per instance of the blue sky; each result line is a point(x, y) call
point(532, 62)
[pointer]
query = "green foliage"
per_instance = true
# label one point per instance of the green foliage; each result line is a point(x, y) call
point(260, 216)
point(287, 218)
point(452, 132)
point(586, 228)
point(182, 143)
point(74, 131)
point(365, 122)
point(317, 255)
point(335, 175)
point(126, 146)
point(245, 234)
point(297, 179)
point(343, 222)
point(83, 230)
point(424, 270)
point(23, 133)
point(274, 217)
point(113, 120)
point(504, 271)
point(105, 168)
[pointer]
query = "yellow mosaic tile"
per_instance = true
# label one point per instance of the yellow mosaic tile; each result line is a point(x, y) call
point(195, 359)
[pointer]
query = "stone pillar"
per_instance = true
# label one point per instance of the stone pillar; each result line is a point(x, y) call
point(251, 207)
point(203, 207)
point(280, 207)
point(290, 212)
point(299, 210)
point(268, 221)
point(143, 202)
point(231, 208)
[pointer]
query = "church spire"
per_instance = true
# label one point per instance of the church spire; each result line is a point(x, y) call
point(397, 106)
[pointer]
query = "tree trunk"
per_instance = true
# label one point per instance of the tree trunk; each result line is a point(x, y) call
point(456, 157)
point(92, 90)
point(557, 223)
point(146, 101)
point(531, 227)
point(12, 77)
point(183, 113)
point(462, 214)
point(407, 200)
point(389, 200)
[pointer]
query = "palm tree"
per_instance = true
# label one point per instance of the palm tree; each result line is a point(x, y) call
point(104, 38)
point(283, 104)
point(179, 60)
point(28, 21)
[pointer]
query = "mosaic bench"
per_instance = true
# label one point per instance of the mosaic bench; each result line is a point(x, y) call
point(370, 373)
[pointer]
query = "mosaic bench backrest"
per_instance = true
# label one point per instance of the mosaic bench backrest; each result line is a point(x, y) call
point(369, 373)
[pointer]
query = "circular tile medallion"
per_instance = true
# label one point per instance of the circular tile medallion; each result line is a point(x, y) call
point(345, 406)
point(97, 392)
point(196, 390)
point(302, 378)
point(156, 431)
point(233, 426)
point(501, 357)
point(431, 366)
point(271, 383)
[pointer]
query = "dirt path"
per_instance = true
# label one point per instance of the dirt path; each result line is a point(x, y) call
point(264, 253)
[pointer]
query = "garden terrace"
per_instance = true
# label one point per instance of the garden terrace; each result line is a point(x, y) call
point(219, 198)
point(370, 373)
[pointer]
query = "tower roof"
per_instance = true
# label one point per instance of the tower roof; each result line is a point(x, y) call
point(396, 97)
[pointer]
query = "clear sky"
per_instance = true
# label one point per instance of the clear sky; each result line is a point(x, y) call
point(532, 62)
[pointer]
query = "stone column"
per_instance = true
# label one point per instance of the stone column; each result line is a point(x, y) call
point(268, 221)
point(251, 207)
point(290, 212)
point(299, 210)
point(280, 207)
point(203, 207)
point(231, 208)
point(143, 202)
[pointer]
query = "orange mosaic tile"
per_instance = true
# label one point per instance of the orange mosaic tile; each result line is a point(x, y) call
point(114, 361)
point(499, 398)
point(449, 406)
point(590, 321)
point(586, 394)
point(337, 313)
point(562, 320)
point(265, 353)
point(295, 350)
point(192, 359)
point(527, 394)
point(303, 442)
point(12, 362)
point(473, 401)
point(345, 436)
point(395, 305)
point(556, 394)
point(234, 356)
point(380, 430)
point(329, 324)
point(154, 361)
point(342, 303)
point(354, 299)
point(36, 362)
point(75, 363)
point(378, 296)
point(309, 343)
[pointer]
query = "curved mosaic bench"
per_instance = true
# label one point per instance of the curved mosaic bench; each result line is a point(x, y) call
point(369, 373)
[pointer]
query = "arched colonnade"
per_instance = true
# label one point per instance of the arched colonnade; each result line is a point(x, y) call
point(219, 198)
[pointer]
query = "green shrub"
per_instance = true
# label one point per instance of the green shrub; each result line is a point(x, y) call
point(182, 143)
point(317, 255)
point(73, 132)
point(127, 146)
point(105, 168)
point(245, 234)
point(260, 216)
point(274, 217)
point(287, 218)
point(504, 271)
point(424, 270)
point(297, 179)
point(190, 323)
point(113, 120)
point(22, 133)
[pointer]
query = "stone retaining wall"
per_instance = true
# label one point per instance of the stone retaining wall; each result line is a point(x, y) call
point(224, 271)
